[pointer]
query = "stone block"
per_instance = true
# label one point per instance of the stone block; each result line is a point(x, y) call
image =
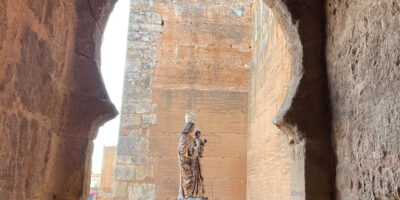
point(133, 35)
point(128, 145)
point(141, 5)
point(126, 160)
point(142, 191)
point(134, 54)
point(133, 65)
point(153, 18)
point(143, 172)
point(151, 27)
point(141, 159)
point(238, 11)
point(133, 27)
point(137, 79)
point(124, 172)
point(143, 147)
point(132, 132)
point(135, 131)
point(130, 119)
point(120, 189)
point(136, 17)
point(137, 95)
point(149, 63)
point(149, 119)
point(147, 38)
point(136, 108)
point(132, 45)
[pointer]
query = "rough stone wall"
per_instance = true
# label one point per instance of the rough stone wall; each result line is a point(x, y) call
point(134, 171)
point(107, 171)
point(268, 150)
point(52, 99)
point(188, 56)
point(364, 77)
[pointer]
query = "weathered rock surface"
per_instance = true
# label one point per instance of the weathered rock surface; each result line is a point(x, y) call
point(363, 58)
point(52, 98)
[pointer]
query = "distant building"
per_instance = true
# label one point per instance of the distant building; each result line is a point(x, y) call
point(107, 174)
point(101, 185)
point(95, 180)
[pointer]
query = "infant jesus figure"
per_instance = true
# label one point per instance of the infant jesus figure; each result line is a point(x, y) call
point(199, 143)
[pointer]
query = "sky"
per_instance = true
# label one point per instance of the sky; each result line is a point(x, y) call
point(113, 53)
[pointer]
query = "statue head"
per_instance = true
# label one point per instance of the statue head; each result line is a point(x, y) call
point(189, 128)
point(197, 134)
point(190, 119)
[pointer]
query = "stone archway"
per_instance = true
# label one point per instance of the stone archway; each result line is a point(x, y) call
point(305, 114)
point(52, 98)
point(269, 157)
point(184, 56)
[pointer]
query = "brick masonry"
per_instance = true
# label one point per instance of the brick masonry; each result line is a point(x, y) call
point(184, 56)
point(107, 171)
point(134, 172)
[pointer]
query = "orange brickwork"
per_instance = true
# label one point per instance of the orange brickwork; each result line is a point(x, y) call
point(184, 56)
point(203, 56)
point(108, 168)
point(268, 157)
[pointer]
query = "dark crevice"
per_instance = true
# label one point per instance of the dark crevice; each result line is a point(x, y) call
point(84, 55)
point(93, 15)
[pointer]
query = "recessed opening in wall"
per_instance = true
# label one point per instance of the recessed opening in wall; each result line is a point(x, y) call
point(268, 151)
point(113, 54)
point(194, 57)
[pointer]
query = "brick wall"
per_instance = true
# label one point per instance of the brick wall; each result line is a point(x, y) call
point(107, 171)
point(184, 56)
point(268, 152)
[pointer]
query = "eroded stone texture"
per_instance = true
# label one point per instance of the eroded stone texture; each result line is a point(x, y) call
point(52, 98)
point(268, 151)
point(364, 75)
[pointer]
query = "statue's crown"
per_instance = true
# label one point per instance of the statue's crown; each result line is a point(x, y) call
point(190, 117)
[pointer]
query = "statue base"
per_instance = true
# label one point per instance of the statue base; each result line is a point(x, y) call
point(192, 198)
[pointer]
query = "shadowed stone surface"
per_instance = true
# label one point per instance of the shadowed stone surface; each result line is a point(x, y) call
point(52, 98)
point(305, 115)
point(364, 76)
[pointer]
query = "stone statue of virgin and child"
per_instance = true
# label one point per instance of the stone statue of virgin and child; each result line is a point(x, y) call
point(190, 150)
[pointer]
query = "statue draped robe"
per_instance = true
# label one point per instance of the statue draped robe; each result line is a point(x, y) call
point(191, 181)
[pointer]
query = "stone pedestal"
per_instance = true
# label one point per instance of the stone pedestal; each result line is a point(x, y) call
point(193, 198)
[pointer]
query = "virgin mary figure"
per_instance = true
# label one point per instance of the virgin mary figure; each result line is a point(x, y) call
point(191, 180)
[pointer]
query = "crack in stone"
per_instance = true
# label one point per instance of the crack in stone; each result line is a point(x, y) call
point(94, 16)
point(84, 55)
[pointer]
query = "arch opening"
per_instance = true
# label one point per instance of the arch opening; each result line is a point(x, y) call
point(269, 155)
